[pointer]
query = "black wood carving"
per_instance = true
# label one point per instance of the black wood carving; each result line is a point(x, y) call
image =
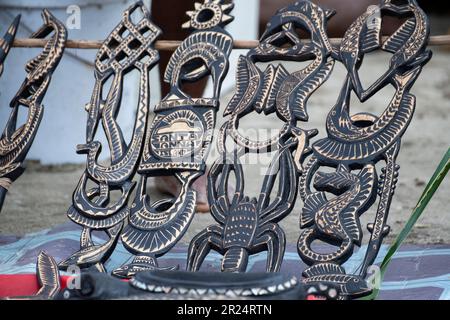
point(356, 143)
point(248, 226)
point(7, 41)
point(48, 278)
point(129, 47)
point(183, 285)
point(16, 141)
point(178, 140)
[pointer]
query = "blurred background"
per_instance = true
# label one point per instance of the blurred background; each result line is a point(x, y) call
point(54, 167)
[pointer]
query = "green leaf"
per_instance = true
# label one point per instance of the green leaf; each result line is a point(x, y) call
point(427, 194)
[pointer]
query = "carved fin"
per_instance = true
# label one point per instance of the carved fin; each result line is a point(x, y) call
point(280, 75)
point(269, 75)
point(323, 268)
point(350, 221)
point(398, 39)
point(312, 204)
point(95, 253)
point(304, 91)
point(48, 276)
point(242, 80)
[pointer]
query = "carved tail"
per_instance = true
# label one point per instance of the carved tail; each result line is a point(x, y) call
point(235, 260)
point(155, 228)
point(311, 257)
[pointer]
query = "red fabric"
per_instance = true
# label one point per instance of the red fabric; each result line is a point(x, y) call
point(13, 285)
point(314, 297)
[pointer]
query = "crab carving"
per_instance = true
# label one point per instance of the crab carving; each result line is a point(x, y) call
point(246, 226)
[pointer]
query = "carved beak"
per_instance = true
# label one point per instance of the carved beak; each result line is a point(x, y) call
point(302, 140)
point(67, 263)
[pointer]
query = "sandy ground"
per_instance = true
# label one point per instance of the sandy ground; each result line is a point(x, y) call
point(40, 198)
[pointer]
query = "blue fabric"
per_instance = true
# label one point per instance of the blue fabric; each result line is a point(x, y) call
point(416, 272)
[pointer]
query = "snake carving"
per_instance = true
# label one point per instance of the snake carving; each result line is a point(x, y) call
point(336, 220)
point(178, 140)
point(356, 144)
point(246, 226)
point(128, 48)
point(15, 142)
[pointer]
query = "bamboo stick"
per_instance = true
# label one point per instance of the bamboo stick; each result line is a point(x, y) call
point(166, 45)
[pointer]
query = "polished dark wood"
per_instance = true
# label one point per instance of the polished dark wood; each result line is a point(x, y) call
point(129, 47)
point(15, 142)
point(178, 140)
point(247, 226)
point(356, 144)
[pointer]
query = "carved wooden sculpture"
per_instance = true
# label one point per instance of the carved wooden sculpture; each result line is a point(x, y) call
point(48, 278)
point(178, 140)
point(16, 142)
point(356, 144)
point(247, 226)
point(129, 47)
point(7, 41)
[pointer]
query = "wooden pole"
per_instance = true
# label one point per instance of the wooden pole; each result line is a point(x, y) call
point(166, 45)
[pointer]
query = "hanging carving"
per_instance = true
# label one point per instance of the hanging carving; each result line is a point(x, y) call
point(128, 48)
point(178, 140)
point(248, 226)
point(16, 141)
point(356, 144)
